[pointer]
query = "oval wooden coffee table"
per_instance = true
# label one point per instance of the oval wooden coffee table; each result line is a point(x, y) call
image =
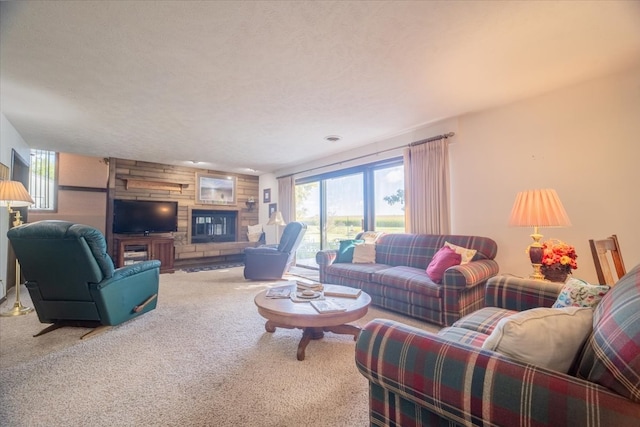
point(284, 313)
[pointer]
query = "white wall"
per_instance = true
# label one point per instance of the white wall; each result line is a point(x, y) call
point(83, 207)
point(581, 140)
point(267, 181)
point(9, 139)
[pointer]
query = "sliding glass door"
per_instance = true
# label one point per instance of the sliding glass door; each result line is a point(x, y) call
point(339, 205)
point(308, 211)
point(344, 209)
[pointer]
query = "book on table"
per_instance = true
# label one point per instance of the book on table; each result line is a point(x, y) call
point(312, 286)
point(279, 292)
point(343, 292)
point(328, 306)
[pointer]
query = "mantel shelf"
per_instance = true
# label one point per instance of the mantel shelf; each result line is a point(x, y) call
point(156, 185)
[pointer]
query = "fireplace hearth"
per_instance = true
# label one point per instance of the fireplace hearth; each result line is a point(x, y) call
point(209, 226)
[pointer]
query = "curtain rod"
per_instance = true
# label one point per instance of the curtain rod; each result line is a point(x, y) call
point(433, 138)
point(413, 144)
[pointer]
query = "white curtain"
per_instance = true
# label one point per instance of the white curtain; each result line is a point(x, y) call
point(426, 169)
point(286, 198)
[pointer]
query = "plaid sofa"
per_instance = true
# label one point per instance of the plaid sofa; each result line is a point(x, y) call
point(398, 280)
point(418, 379)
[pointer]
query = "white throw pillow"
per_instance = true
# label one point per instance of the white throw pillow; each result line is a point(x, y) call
point(545, 337)
point(253, 229)
point(466, 254)
point(254, 232)
point(364, 254)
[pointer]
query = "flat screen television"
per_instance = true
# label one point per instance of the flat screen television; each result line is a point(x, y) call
point(138, 216)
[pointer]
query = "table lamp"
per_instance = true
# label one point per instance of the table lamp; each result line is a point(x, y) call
point(277, 220)
point(538, 208)
point(13, 194)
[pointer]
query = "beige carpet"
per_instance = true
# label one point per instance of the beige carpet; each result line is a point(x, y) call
point(202, 358)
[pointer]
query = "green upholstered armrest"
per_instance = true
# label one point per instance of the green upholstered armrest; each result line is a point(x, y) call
point(129, 270)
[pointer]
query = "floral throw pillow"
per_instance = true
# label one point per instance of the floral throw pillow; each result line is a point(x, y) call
point(370, 237)
point(578, 293)
point(466, 254)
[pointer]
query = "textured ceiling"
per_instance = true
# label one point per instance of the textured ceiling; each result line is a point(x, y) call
point(258, 85)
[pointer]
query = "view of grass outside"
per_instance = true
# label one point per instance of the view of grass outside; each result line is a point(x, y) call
point(344, 209)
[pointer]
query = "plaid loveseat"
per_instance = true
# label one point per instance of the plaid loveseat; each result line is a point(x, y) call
point(421, 379)
point(398, 280)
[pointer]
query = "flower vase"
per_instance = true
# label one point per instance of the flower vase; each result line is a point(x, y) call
point(554, 274)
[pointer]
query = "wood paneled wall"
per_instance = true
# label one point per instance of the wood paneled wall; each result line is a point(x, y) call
point(178, 183)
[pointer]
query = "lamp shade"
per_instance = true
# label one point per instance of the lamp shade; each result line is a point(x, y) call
point(276, 219)
point(13, 193)
point(538, 208)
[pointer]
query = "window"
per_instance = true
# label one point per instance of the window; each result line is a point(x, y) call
point(308, 211)
point(338, 205)
point(344, 209)
point(389, 199)
point(42, 180)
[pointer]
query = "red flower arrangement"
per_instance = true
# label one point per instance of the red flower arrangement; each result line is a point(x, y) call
point(558, 257)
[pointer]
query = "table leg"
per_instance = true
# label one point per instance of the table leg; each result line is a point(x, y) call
point(345, 330)
point(308, 334)
point(270, 326)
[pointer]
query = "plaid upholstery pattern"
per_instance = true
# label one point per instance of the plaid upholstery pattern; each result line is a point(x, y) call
point(417, 379)
point(391, 403)
point(416, 250)
point(398, 280)
point(459, 303)
point(612, 355)
point(324, 259)
point(483, 320)
point(517, 293)
point(463, 336)
point(358, 272)
point(408, 278)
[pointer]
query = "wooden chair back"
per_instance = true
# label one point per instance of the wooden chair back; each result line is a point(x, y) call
point(605, 252)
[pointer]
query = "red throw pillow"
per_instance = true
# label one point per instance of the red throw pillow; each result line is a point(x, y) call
point(443, 259)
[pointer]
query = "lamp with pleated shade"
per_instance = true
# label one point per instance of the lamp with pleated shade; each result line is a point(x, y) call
point(277, 220)
point(13, 194)
point(538, 208)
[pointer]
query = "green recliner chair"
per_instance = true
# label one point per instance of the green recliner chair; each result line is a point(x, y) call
point(72, 280)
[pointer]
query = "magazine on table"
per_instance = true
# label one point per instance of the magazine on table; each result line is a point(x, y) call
point(328, 306)
point(279, 292)
point(343, 292)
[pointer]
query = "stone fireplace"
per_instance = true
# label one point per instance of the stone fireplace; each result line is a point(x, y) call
point(209, 226)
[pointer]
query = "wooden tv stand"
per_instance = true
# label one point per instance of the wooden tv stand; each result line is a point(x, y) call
point(132, 249)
